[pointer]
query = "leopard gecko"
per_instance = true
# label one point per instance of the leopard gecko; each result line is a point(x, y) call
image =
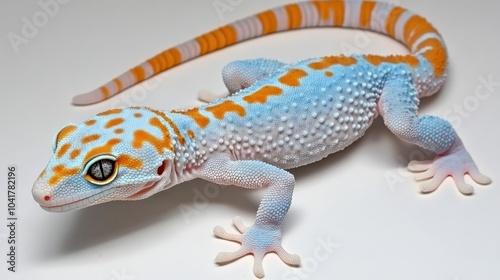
point(277, 116)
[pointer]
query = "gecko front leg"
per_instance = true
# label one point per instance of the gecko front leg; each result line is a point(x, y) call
point(265, 235)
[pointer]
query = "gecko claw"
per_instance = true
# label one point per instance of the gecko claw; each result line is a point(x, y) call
point(455, 163)
point(255, 240)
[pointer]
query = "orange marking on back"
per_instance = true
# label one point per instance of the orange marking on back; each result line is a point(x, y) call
point(110, 112)
point(137, 115)
point(378, 59)
point(67, 130)
point(142, 136)
point(292, 78)
point(129, 162)
point(90, 138)
point(114, 122)
point(100, 150)
point(294, 16)
point(436, 55)
point(268, 21)
point(118, 84)
point(74, 153)
point(229, 34)
point(105, 92)
point(64, 148)
point(329, 73)
point(138, 73)
point(190, 133)
point(90, 122)
point(328, 61)
point(392, 19)
point(227, 106)
point(195, 114)
point(119, 131)
point(262, 94)
point(61, 172)
point(365, 16)
point(415, 27)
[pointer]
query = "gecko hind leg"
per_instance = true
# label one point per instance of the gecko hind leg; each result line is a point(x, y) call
point(241, 74)
point(398, 107)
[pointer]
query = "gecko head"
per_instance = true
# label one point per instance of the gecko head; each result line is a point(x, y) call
point(120, 154)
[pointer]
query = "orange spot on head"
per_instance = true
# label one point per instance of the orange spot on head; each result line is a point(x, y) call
point(195, 114)
point(67, 130)
point(378, 59)
point(90, 122)
point(62, 151)
point(365, 16)
point(90, 138)
point(74, 153)
point(137, 115)
point(119, 130)
point(268, 21)
point(227, 106)
point(114, 122)
point(328, 61)
point(392, 19)
point(292, 78)
point(436, 55)
point(329, 73)
point(61, 172)
point(100, 150)
point(142, 136)
point(190, 133)
point(294, 16)
point(262, 94)
point(110, 112)
point(129, 162)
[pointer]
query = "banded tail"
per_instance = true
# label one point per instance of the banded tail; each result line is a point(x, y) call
point(419, 36)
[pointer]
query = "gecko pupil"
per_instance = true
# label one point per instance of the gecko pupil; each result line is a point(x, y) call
point(101, 170)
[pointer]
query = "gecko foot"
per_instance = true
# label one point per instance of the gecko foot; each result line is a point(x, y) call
point(255, 240)
point(456, 162)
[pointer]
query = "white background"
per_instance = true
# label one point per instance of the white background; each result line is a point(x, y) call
point(383, 229)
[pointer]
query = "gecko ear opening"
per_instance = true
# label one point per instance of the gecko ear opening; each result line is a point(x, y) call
point(61, 134)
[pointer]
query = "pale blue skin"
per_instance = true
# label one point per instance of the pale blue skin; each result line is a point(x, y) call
point(302, 125)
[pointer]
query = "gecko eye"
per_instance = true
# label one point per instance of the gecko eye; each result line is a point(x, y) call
point(101, 170)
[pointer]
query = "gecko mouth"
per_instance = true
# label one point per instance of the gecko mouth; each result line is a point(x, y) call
point(101, 197)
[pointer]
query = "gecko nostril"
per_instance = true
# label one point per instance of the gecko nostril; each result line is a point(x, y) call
point(46, 198)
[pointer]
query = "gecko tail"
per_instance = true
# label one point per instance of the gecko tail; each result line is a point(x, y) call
point(412, 30)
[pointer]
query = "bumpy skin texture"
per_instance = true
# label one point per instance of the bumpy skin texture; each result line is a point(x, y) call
point(278, 116)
